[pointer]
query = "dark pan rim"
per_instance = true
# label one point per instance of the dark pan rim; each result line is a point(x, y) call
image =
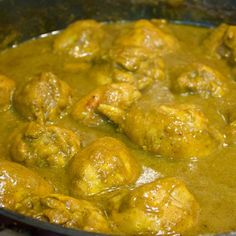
point(41, 225)
point(58, 229)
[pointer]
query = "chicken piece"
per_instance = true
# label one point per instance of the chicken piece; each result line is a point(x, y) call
point(136, 65)
point(103, 165)
point(173, 130)
point(146, 35)
point(7, 87)
point(162, 207)
point(82, 39)
point(44, 98)
point(202, 80)
point(120, 95)
point(39, 145)
point(222, 42)
point(66, 211)
point(18, 183)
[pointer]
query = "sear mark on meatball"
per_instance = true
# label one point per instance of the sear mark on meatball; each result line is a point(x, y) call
point(103, 165)
point(44, 98)
point(41, 146)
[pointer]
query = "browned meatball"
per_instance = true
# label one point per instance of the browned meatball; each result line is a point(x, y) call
point(202, 80)
point(39, 145)
point(43, 98)
point(18, 183)
point(163, 207)
point(103, 165)
point(82, 39)
point(119, 95)
point(7, 87)
point(65, 211)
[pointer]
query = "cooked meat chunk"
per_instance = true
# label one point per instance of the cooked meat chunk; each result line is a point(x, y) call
point(146, 35)
point(119, 95)
point(7, 87)
point(44, 98)
point(174, 130)
point(65, 211)
point(135, 55)
point(101, 166)
point(18, 183)
point(39, 145)
point(82, 40)
point(136, 66)
point(163, 207)
point(222, 42)
point(202, 80)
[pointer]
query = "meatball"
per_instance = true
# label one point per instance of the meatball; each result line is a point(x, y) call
point(202, 80)
point(146, 35)
point(44, 98)
point(163, 207)
point(82, 40)
point(136, 65)
point(65, 211)
point(222, 42)
point(119, 95)
point(39, 145)
point(173, 130)
point(103, 165)
point(135, 55)
point(7, 87)
point(18, 183)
